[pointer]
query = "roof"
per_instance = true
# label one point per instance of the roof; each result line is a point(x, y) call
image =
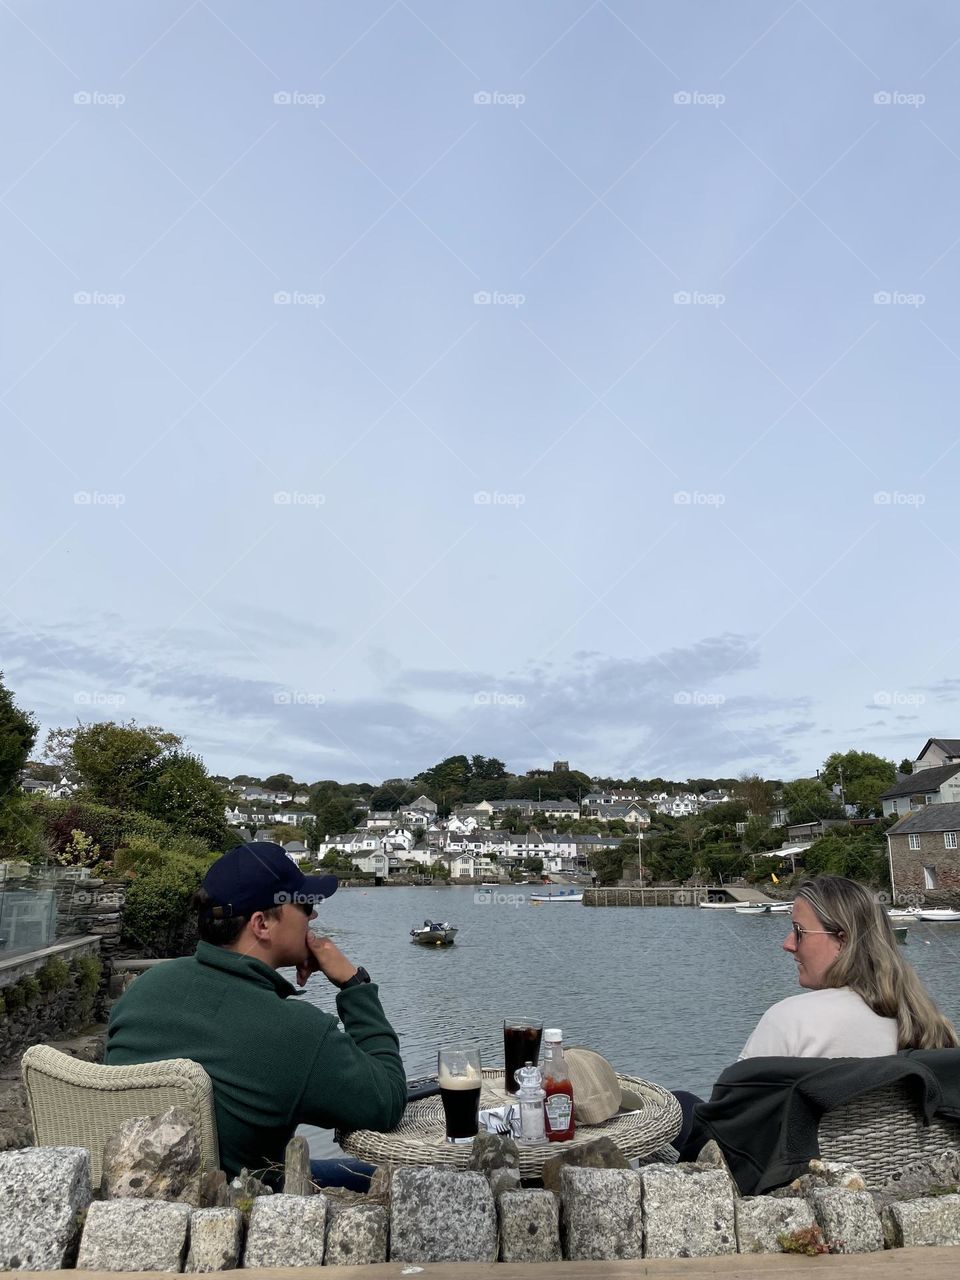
point(932, 817)
point(923, 780)
point(951, 746)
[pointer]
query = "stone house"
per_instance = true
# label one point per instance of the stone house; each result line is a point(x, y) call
point(939, 785)
point(924, 854)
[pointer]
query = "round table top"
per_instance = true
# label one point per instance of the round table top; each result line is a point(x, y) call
point(419, 1138)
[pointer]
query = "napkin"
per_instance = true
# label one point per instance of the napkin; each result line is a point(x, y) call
point(492, 1119)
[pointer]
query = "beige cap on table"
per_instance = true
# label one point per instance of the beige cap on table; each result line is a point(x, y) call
point(596, 1088)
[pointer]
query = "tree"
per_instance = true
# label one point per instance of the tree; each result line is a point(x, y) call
point(279, 782)
point(182, 794)
point(756, 793)
point(116, 762)
point(808, 800)
point(864, 776)
point(906, 767)
point(18, 733)
point(607, 864)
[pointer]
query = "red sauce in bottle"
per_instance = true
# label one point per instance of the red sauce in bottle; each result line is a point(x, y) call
point(558, 1087)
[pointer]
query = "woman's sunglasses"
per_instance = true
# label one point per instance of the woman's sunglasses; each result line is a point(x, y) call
point(799, 931)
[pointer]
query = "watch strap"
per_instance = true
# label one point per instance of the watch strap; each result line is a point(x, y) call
point(358, 979)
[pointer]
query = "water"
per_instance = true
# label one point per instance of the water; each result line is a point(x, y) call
point(670, 994)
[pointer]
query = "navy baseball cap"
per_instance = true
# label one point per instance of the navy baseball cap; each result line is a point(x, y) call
point(253, 877)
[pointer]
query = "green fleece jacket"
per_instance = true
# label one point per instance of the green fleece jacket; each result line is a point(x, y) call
point(275, 1061)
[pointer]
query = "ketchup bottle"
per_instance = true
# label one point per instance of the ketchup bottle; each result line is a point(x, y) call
point(558, 1087)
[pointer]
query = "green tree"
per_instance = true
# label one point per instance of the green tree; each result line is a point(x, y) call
point(607, 864)
point(906, 766)
point(864, 776)
point(807, 800)
point(756, 793)
point(116, 762)
point(181, 793)
point(18, 733)
point(279, 782)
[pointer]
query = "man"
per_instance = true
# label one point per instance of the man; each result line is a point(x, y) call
point(275, 1061)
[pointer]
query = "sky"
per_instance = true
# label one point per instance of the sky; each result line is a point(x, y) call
point(386, 380)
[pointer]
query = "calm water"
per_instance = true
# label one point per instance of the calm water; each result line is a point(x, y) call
point(667, 993)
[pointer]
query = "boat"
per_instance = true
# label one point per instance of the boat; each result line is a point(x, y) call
point(434, 934)
point(939, 915)
point(752, 908)
point(903, 913)
point(781, 908)
point(572, 896)
point(901, 934)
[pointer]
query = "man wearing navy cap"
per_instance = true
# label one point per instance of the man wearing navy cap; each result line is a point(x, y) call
point(275, 1062)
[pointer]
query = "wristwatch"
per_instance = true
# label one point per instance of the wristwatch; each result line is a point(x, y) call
point(360, 977)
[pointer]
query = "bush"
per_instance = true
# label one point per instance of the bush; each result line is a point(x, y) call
point(3, 1007)
point(21, 993)
point(54, 975)
point(158, 917)
point(89, 971)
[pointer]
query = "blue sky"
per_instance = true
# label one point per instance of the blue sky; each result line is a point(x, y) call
point(564, 380)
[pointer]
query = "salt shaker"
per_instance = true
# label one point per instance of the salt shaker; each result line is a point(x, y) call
point(530, 1099)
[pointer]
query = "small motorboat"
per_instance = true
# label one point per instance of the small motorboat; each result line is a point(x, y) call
point(752, 908)
point(434, 934)
point(939, 915)
point(572, 896)
point(903, 913)
point(781, 908)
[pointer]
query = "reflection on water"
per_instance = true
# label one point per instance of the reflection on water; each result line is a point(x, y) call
point(667, 993)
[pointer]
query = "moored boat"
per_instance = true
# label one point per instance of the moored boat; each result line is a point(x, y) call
point(939, 915)
point(434, 934)
point(572, 896)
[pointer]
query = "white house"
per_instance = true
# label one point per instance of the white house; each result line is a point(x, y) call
point(940, 785)
point(465, 866)
point(937, 752)
point(353, 844)
point(380, 818)
point(398, 840)
point(377, 864)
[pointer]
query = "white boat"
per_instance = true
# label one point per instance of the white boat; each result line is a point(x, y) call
point(752, 908)
point(939, 915)
point(903, 913)
point(781, 908)
point(719, 906)
point(434, 934)
point(572, 896)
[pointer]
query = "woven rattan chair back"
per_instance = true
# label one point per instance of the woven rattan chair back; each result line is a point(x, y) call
point(79, 1104)
point(883, 1130)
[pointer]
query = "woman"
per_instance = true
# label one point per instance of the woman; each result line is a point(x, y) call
point(866, 1001)
point(863, 1000)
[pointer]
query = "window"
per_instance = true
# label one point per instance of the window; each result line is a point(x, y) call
point(949, 839)
point(893, 806)
point(930, 878)
point(914, 842)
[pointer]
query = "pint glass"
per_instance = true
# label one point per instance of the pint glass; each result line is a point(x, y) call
point(459, 1078)
point(521, 1044)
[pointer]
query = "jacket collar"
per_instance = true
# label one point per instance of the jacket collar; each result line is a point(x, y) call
point(244, 967)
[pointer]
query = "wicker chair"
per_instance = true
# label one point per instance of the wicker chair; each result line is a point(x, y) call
point(881, 1131)
point(79, 1104)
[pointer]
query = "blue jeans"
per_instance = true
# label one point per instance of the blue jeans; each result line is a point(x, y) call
point(346, 1172)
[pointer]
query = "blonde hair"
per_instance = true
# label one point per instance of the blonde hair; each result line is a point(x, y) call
point(870, 963)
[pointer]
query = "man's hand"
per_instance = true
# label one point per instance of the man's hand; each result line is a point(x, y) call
point(324, 956)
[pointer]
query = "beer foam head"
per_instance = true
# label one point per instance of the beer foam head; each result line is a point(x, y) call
point(467, 1078)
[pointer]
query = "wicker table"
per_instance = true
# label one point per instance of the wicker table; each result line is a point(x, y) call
point(419, 1138)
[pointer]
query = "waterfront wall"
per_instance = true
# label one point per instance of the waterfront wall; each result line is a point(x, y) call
point(49, 993)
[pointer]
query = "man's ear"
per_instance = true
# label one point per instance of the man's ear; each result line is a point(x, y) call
point(260, 925)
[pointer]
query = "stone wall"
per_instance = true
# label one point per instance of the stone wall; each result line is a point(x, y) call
point(908, 867)
point(432, 1215)
point(50, 993)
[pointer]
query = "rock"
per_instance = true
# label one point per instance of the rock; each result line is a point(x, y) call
point(602, 1213)
point(848, 1220)
point(286, 1231)
point(503, 1180)
point(687, 1212)
point(380, 1184)
point(153, 1158)
point(134, 1235)
point(921, 1177)
point(216, 1237)
point(601, 1153)
point(529, 1227)
point(212, 1185)
point(297, 1179)
point(762, 1219)
point(934, 1221)
point(44, 1190)
point(440, 1215)
point(491, 1151)
point(358, 1236)
point(830, 1173)
point(711, 1157)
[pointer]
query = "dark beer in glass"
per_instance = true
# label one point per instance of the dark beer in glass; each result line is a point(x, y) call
point(521, 1044)
point(459, 1078)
